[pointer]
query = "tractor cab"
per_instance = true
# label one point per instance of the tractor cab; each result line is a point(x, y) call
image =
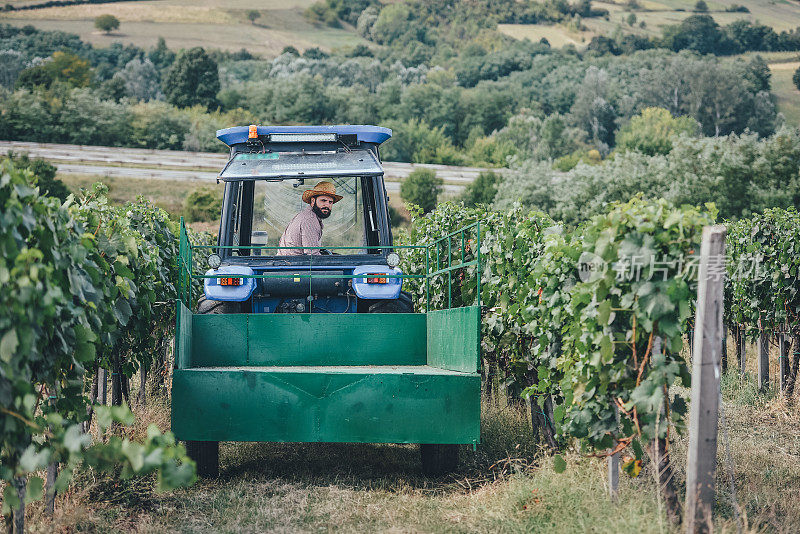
point(268, 171)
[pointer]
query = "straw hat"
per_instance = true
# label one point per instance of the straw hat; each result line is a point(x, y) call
point(322, 188)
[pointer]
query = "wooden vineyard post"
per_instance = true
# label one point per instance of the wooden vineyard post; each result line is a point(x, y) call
point(50, 489)
point(763, 361)
point(116, 384)
point(613, 469)
point(142, 384)
point(18, 515)
point(702, 456)
point(724, 348)
point(795, 364)
point(741, 349)
point(783, 360)
point(102, 379)
point(613, 476)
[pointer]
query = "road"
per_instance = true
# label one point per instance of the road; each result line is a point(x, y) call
point(191, 166)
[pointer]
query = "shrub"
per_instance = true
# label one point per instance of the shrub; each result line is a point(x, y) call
point(796, 78)
point(106, 23)
point(63, 67)
point(417, 142)
point(482, 190)
point(395, 217)
point(422, 187)
point(48, 184)
point(491, 151)
point(737, 8)
point(202, 205)
point(652, 131)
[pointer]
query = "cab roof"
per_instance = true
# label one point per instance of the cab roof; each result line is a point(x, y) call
point(364, 133)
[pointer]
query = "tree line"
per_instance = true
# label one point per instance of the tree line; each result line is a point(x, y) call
point(488, 106)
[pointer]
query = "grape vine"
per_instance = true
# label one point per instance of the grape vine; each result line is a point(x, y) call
point(82, 283)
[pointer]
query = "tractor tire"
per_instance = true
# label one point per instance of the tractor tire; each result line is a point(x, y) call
point(437, 459)
point(206, 455)
point(402, 304)
point(205, 306)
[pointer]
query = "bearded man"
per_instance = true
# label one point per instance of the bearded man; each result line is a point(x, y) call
point(305, 229)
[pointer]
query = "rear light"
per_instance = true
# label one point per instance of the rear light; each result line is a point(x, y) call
point(230, 281)
point(252, 132)
point(376, 278)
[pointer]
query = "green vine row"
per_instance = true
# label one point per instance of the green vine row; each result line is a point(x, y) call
point(596, 350)
point(85, 284)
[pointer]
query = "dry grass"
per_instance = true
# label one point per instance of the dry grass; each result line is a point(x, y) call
point(359, 488)
point(166, 194)
point(556, 34)
point(130, 12)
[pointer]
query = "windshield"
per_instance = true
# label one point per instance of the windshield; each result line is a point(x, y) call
point(291, 164)
point(276, 203)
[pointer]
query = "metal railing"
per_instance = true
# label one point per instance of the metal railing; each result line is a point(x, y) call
point(441, 249)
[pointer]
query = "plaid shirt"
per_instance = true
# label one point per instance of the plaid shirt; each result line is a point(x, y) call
point(305, 230)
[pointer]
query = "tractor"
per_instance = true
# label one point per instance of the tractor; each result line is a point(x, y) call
point(318, 342)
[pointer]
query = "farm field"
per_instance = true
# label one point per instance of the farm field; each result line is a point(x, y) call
point(557, 35)
point(780, 15)
point(501, 487)
point(183, 24)
point(786, 93)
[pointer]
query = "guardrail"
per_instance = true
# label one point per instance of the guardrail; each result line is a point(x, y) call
point(441, 250)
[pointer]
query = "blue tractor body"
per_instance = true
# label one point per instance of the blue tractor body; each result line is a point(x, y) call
point(268, 169)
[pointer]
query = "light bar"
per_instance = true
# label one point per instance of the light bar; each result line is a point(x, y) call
point(302, 138)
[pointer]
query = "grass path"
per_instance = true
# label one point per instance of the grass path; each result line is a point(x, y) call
point(507, 485)
point(368, 488)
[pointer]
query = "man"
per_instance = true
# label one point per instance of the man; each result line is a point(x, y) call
point(305, 229)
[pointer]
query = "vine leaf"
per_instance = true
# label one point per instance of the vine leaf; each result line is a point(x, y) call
point(35, 490)
point(604, 312)
point(8, 345)
point(632, 467)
